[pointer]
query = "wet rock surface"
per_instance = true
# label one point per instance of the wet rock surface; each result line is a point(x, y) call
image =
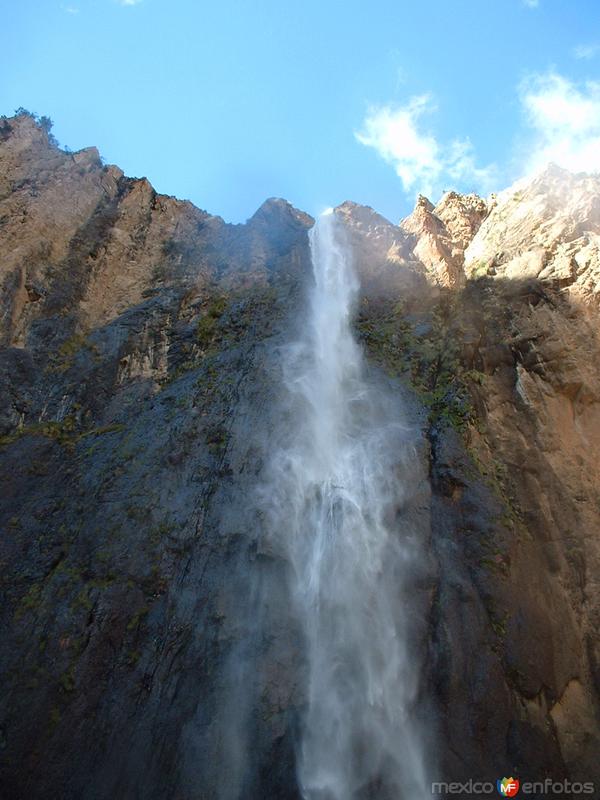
point(142, 655)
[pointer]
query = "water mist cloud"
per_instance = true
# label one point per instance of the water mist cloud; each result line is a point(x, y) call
point(421, 162)
point(565, 121)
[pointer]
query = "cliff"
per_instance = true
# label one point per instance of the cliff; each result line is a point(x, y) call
point(139, 372)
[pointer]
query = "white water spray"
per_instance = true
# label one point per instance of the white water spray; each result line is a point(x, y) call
point(337, 488)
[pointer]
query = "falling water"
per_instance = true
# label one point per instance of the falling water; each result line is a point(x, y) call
point(338, 486)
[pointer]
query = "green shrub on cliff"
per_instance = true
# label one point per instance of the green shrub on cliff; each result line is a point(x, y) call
point(427, 354)
point(208, 323)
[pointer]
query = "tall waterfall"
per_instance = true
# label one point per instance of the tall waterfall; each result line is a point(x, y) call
point(336, 493)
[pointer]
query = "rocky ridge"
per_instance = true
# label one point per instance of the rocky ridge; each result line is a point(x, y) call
point(546, 228)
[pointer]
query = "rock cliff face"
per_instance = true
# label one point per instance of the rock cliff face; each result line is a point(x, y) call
point(138, 381)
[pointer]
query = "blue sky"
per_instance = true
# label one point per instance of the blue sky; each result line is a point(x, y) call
point(227, 103)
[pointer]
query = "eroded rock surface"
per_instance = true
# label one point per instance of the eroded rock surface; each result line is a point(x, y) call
point(547, 228)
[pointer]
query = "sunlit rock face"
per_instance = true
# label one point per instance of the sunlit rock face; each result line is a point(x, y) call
point(442, 233)
point(546, 228)
point(383, 253)
point(149, 646)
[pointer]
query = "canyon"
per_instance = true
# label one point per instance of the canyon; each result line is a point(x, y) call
point(150, 647)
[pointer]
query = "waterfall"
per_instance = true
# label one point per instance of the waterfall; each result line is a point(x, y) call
point(337, 486)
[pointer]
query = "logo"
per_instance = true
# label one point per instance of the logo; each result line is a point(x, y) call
point(508, 787)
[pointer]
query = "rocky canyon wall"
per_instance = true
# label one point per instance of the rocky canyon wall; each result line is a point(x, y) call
point(141, 340)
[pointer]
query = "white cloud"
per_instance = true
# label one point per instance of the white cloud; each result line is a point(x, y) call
point(129, 2)
point(565, 120)
point(531, 3)
point(585, 51)
point(421, 162)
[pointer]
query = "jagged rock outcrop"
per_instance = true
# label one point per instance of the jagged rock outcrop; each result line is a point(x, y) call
point(382, 252)
point(546, 228)
point(80, 239)
point(425, 250)
point(442, 233)
point(139, 374)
